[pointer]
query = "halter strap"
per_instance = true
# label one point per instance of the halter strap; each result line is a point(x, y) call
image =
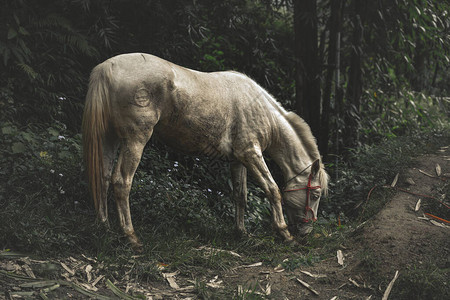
point(308, 189)
point(297, 175)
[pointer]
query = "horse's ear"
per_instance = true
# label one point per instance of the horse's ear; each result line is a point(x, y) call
point(315, 167)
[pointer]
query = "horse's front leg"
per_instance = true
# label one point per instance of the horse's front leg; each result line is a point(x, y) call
point(239, 182)
point(127, 163)
point(254, 161)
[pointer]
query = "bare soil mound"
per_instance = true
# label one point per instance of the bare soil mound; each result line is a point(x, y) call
point(402, 237)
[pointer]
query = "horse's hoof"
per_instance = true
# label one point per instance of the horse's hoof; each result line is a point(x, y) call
point(138, 248)
point(136, 245)
point(291, 242)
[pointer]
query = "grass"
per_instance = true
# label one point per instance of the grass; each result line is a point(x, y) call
point(423, 282)
point(177, 209)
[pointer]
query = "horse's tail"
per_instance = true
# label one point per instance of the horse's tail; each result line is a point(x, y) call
point(96, 118)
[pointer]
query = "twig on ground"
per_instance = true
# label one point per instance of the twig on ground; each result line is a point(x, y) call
point(389, 288)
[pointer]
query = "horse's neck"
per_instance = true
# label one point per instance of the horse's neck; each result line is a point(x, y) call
point(289, 153)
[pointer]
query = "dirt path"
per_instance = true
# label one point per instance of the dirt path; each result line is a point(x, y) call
point(397, 238)
point(403, 237)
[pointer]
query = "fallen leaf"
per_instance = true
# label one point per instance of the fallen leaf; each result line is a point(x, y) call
point(437, 218)
point(417, 205)
point(12, 267)
point(313, 275)
point(171, 280)
point(354, 282)
point(438, 170)
point(88, 258)
point(97, 280)
point(342, 285)
point(436, 223)
point(169, 275)
point(89, 287)
point(28, 271)
point(340, 257)
point(240, 290)
point(69, 270)
point(253, 265)
point(187, 289)
point(306, 285)
point(394, 182)
point(278, 269)
point(88, 270)
point(268, 290)
point(425, 173)
point(215, 282)
point(410, 181)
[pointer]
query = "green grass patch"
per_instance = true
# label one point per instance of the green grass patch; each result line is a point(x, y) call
point(422, 282)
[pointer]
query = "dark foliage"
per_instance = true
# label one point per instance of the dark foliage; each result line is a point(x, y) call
point(47, 49)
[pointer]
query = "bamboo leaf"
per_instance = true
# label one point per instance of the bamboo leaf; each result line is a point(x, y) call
point(417, 205)
point(438, 170)
point(394, 182)
point(306, 285)
point(340, 257)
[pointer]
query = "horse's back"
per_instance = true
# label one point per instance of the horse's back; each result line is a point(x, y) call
point(213, 113)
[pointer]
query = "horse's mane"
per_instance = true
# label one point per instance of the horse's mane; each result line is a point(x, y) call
point(304, 133)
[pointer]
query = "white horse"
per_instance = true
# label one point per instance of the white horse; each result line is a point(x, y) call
point(221, 114)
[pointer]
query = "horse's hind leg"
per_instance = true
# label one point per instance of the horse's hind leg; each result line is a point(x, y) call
point(127, 163)
point(110, 145)
point(239, 181)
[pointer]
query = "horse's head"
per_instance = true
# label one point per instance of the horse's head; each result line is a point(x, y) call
point(301, 198)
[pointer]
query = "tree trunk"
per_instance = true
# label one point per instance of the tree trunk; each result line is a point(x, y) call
point(418, 78)
point(354, 87)
point(334, 27)
point(307, 63)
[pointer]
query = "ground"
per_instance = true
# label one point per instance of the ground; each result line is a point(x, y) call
point(398, 238)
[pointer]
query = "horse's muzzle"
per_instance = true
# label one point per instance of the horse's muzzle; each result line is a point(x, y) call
point(301, 229)
point(305, 228)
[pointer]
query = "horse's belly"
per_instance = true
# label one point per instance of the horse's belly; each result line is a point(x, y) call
point(194, 141)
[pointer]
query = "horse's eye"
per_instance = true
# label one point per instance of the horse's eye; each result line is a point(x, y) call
point(316, 196)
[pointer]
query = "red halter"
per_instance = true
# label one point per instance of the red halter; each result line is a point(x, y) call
point(308, 189)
